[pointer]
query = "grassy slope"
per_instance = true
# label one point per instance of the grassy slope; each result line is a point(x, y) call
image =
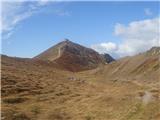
point(40, 91)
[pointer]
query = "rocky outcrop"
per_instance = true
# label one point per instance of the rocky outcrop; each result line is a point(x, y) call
point(108, 58)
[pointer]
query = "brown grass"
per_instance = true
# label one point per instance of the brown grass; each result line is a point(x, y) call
point(35, 91)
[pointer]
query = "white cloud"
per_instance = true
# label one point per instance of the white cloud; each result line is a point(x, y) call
point(148, 12)
point(105, 47)
point(137, 36)
point(16, 11)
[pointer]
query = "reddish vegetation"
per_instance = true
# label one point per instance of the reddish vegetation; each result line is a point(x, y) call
point(72, 56)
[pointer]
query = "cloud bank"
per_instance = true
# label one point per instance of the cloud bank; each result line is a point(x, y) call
point(137, 36)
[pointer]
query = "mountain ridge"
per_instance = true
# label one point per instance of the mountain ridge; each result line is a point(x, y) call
point(72, 56)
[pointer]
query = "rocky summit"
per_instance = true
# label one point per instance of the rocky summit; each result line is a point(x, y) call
point(73, 57)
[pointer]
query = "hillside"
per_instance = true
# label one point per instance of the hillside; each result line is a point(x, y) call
point(126, 89)
point(144, 67)
point(72, 56)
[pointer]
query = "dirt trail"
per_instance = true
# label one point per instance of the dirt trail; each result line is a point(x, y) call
point(59, 54)
point(147, 97)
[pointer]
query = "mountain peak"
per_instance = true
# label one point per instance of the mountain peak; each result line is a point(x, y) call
point(156, 48)
point(108, 58)
point(154, 51)
point(72, 56)
point(66, 40)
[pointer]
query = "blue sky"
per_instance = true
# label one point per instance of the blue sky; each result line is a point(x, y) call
point(119, 28)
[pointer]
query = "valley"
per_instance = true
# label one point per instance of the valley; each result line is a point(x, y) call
point(38, 89)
